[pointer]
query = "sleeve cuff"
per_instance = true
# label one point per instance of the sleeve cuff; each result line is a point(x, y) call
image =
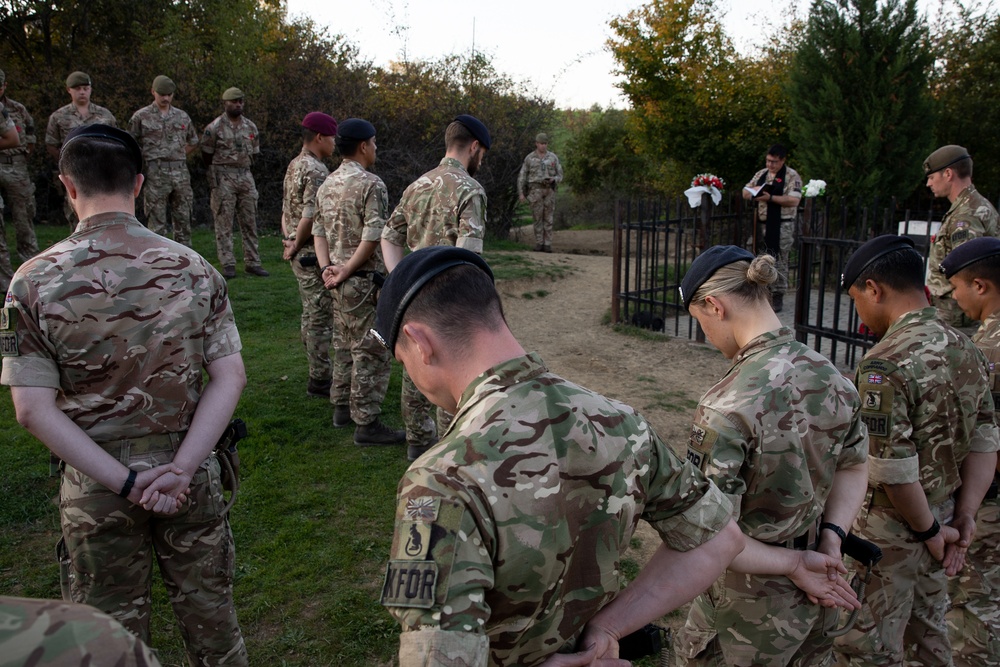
point(419, 648)
point(699, 523)
point(893, 471)
point(470, 243)
point(985, 440)
point(29, 372)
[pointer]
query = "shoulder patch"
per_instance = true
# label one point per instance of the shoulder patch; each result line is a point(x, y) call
point(8, 344)
point(700, 445)
point(960, 236)
point(8, 319)
point(877, 366)
point(409, 584)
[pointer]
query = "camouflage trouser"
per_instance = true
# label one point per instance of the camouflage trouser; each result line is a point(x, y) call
point(906, 600)
point(416, 409)
point(317, 318)
point(20, 199)
point(361, 364)
point(54, 632)
point(108, 547)
point(974, 619)
point(543, 207)
point(168, 186)
point(234, 193)
point(785, 241)
point(6, 270)
point(748, 620)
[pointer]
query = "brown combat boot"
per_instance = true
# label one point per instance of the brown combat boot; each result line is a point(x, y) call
point(229, 271)
point(257, 271)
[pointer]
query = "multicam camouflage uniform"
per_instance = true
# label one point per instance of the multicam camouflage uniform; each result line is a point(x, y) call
point(445, 206)
point(6, 270)
point(789, 216)
point(927, 404)
point(490, 562)
point(63, 121)
point(233, 189)
point(974, 619)
point(163, 138)
point(304, 176)
point(971, 215)
point(771, 434)
point(53, 633)
point(84, 317)
point(353, 204)
point(17, 183)
point(537, 180)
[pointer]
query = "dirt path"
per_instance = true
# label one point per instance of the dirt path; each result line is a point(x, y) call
point(661, 377)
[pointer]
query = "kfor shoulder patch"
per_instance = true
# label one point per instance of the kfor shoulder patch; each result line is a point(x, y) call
point(700, 445)
point(410, 583)
point(876, 396)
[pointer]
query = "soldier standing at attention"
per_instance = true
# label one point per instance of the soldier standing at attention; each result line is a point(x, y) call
point(973, 269)
point(781, 435)
point(949, 174)
point(510, 530)
point(926, 401)
point(8, 139)
point(540, 174)
point(14, 176)
point(445, 206)
point(353, 205)
point(81, 111)
point(112, 384)
point(167, 136)
point(305, 173)
point(227, 148)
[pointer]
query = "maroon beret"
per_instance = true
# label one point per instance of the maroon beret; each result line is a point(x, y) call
point(320, 123)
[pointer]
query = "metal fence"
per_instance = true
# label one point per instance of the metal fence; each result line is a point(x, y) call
point(655, 242)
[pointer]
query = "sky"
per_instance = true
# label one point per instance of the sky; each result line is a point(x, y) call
point(556, 46)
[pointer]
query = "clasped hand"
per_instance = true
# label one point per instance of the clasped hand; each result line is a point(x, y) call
point(162, 490)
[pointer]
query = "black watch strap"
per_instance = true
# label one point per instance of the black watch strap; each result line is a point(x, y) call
point(924, 535)
point(826, 525)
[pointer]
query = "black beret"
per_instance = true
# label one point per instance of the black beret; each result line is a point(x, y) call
point(868, 253)
point(476, 127)
point(357, 129)
point(968, 253)
point(408, 278)
point(706, 264)
point(944, 157)
point(99, 131)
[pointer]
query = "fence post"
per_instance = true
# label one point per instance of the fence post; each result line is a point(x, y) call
point(616, 263)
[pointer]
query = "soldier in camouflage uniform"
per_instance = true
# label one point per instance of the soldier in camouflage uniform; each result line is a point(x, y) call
point(81, 111)
point(537, 181)
point(167, 137)
point(353, 205)
point(445, 206)
point(227, 148)
point(781, 410)
point(777, 213)
point(8, 139)
point(14, 176)
point(926, 401)
point(52, 633)
point(305, 174)
point(949, 174)
point(974, 619)
point(510, 530)
point(105, 338)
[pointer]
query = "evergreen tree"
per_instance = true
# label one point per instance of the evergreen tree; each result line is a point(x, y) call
point(860, 112)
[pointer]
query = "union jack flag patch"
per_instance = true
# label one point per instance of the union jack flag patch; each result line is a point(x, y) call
point(874, 378)
point(422, 509)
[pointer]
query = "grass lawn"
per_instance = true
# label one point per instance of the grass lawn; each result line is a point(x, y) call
point(313, 522)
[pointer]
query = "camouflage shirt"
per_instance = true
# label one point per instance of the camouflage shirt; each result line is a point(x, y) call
point(122, 322)
point(927, 404)
point(510, 530)
point(6, 122)
point(971, 215)
point(162, 137)
point(231, 145)
point(793, 188)
point(353, 203)
point(304, 175)
point(987, 339)
point(774, 431)
point(66, 119)
point(24, 124)
point(445, 206)
point(54, 633)
point(539, 170)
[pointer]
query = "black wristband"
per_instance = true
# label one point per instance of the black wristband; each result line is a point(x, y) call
point(925, 535)
point(129, 483)
point(835, 528)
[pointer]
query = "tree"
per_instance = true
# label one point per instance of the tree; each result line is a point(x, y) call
point(698, 104)
point(602, 160)
point(966, 89)
point(860, 111)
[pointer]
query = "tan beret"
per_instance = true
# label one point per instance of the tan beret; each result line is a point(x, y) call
point(232, 94)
